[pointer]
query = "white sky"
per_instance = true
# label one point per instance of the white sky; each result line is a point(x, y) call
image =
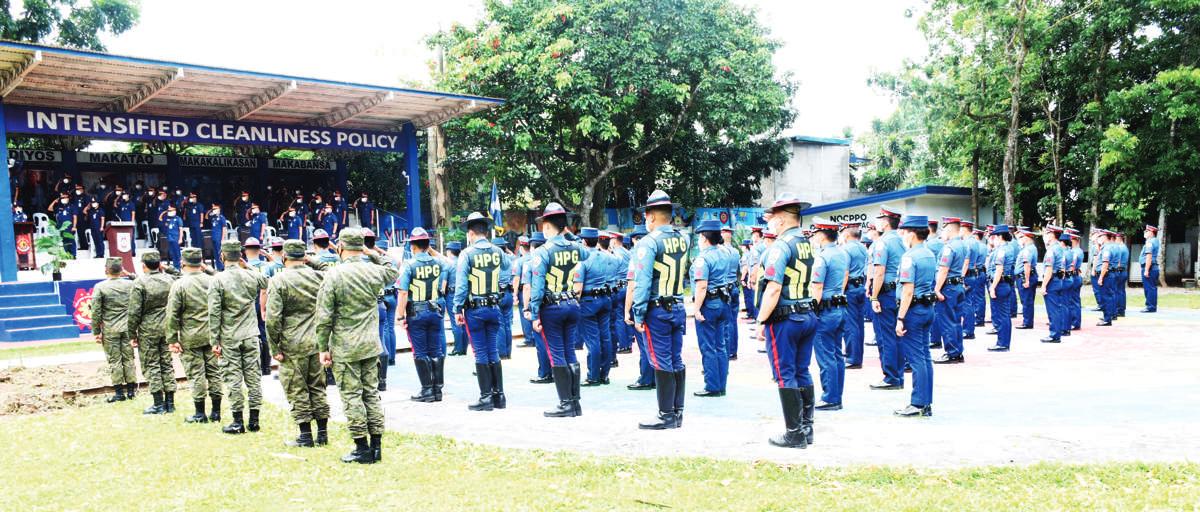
point(831, 47)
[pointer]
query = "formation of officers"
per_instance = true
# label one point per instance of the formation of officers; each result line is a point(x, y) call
point(922, 284)
point(176, 219)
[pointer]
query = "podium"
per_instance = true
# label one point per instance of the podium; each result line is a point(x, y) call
point(26, 254)
point(119, 236)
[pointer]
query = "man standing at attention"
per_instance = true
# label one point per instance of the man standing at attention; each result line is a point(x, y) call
point(110, 324)
point(147, 316)
point(188, 334)
point(233, 334)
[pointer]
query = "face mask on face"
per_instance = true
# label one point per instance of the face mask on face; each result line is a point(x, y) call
point(95, 204)
point(63, 200)
point(162, 197)
point(318, 201)
point(254, 211)
point(139, 187)
point(125, 197)
point(216, 212)
point(66, 180)
point(291, 214)
point(245, 197)
point(78, 192)
point(170, 214)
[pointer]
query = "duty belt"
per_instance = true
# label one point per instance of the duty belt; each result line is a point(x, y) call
point(725, 292)
point(486, 301)
point(973, 272)
point(598, 292)
point(551, 299)
point(506, 288)
point(667, 303)
point(1120, 269)
point(856, 281)
point(954, 280)
point(928, 299)
point(887, 287)
point(1007, 279)
point(1062, 274)
point(416, 308)
point(835, 301)
point(781, 312)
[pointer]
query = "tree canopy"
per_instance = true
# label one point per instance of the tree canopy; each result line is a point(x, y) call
point(66, 22)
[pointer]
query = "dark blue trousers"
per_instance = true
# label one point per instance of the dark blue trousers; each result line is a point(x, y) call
point(890, 357)
point(504, 340)
point(831, 327)
point(1108, 299)
point(1027, 297)
point(855, 326)
point(98, 241)
point(559, 332)
point(1120, 286)
point(916, 321)
point(387, 325)
point(423, 335)
point(460, 339)
point(664, 337)
point(710, 336)
point(1075, 304)
point(1150, 288)
point(595, 317)
point(731, 326)
point(620, 335)
point(1001, 314)
point(1054, 308)
point(645, 370)
point(483, 332)
point(748, 299)
point(985, 282)
point(790, 348)
point(526, 325)
point(946, 315)
point(174, 251)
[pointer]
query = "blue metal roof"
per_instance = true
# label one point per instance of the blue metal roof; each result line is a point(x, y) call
point(828, 141)
point(888, 196)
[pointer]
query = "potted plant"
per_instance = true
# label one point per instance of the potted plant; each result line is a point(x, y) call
point(52, 244)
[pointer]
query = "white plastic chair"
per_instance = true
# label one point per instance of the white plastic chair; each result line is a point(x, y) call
point(40, 221)
point(154, 237)
point(185, 237)
point(268, 233)
point(229, 233)
point(91, 243)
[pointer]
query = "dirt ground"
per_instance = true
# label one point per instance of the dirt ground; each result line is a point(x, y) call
point(25, 390)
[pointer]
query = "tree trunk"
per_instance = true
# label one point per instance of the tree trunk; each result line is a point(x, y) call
point(439, 200)
point(975, 185)
point(1097, 98)
point(1008, 171)
point(1161, 257)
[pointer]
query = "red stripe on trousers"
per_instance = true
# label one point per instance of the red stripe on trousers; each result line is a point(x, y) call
point(546, 342)
point(775, 352)
point(650, 345)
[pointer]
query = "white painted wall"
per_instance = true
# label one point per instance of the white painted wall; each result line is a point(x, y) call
point(817, 173)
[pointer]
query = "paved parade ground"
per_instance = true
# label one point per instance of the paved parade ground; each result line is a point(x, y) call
point(1121, 393)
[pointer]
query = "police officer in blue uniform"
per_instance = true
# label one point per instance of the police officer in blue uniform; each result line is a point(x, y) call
point(1075, 315)
point(1000, 288)
point(518, 284)
point(1027, 277)
point(917, 277)
point(256, 222)
point(554, 306)
point(951, 260)
point(506, 300)
point(453, 249)
point(935, 244)
point(856, 294)
point(733, 277)
point(645, 378)
point(1054, 273)
point(63, 211)
point(622, 335)
point(387, 319)
point(749, 261)
point(712, 283)
point(94, 219)
point(595, 307)
point(329, 220)
point(367, 216)
point(830, 273)
point(125, 207)
point(216, 226)
point(293, 222)
point(19, 214)
point(171, 227)
point(1106, 276)
point(193, 216)
point(660, 266)
point(1149, 261)
point(1122, 282)
point(885, 262)
point(788, 320)
point(476, 307)
point(544, 375)
point(421, 287)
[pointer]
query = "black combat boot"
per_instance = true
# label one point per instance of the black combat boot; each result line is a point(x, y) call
point(169, 402)
point(118, 394)
point(377, 447)
point(252, 425)
point(322, 432)
point(499, 401)
point(131, 390)
point(438, 375)
point(806, 413)
point(790, 399)
point(157, 408)
point(425, 375)
point(236, 427)
point(199, 416)
point(575, 384)
point(680, 375)
point(305, 439)
point(665, 390)
point(383, 373)
point(215, 416)
point(483, 375)
point(562, 384)
point(362, 453)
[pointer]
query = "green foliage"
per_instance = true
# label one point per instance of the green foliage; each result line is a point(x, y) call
point(71, 24)
point(52, 245)
point(603, 96)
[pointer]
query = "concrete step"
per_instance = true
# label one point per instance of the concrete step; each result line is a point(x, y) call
point(40, 333)
point(26, 288)
point(33, 299)
point(27, 311)
point(35, 321)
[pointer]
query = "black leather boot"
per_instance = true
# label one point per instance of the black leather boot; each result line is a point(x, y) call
point(236, 427)
point(157, 408)
point(322, 432)
point(680, 377)
point(562, 385)
point(216, 408)
point(377, 447)
point(499, 401)
point(362, 453)
point(305, 439)
point(424, 375)
point(665, 390)
point(483, 374)
point(131, 390)
point(252, 425)
point(790, 399)
point(807, 406)
point(575, 384)
point(438, 365)
point(383, 373)
point(199, 416)
point(169, 402)
point(118, 394)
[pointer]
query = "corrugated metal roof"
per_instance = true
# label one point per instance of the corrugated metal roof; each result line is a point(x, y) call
point(49, 76)
point(826, 141)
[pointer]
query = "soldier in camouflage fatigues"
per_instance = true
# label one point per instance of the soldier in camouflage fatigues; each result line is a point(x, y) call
point(110, 311)
point(187, 332)
point(147, 316)
point(291, 311)
point(348, 338)
point(233, 333)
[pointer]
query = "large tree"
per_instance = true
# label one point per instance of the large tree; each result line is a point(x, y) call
point(595, 89)
point(67, 22)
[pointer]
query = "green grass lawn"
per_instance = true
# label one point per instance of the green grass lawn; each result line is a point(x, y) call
point(106, 457)
point(68, 347)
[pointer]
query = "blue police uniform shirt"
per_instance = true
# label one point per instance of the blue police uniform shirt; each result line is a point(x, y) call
point(20, 217)
point(1076, 259)
point(125, 210)
point(256, 223)
point(160, 209)
point(422, 278)
point(1150, 249)
point(271, 268)
point(887, 252)
point(295, 226)
point(1028, 254)
point(935, 246)
point(554, 268)
point(952, 256)
point(829, 269)
point(94, 217)
point(365, 210)
point(330, 222)
point(478, 272)
point(1108, 255)
point(1060, 258)
point(1124, 255)
point(172, 227)
point(1006, 255)
point(856, 254)
point(789, 262)
point(659, 265)
point(216, 222)
point(711, 265)
point(732, 264)
point(527, 270)
point(596, 270)
point(506, 263)
point(64, 213)
point(193, 212)
point(919, 267)
point(518, 267)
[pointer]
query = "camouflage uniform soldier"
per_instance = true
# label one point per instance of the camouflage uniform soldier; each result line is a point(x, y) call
point(110, 311)
point(147, 316)
point(233, 333)
point(291, 309)
point(187, 332)
point(348, 338)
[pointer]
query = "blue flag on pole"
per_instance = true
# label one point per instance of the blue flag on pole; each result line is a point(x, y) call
point(494, 209)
